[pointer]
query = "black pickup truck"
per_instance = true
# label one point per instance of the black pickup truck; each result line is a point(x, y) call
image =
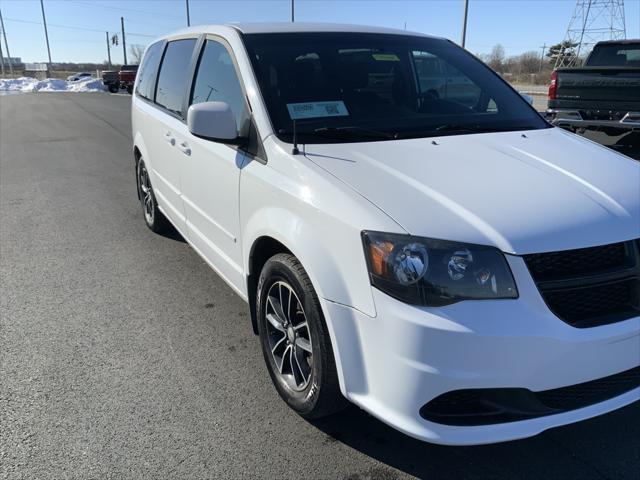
point(602, 98)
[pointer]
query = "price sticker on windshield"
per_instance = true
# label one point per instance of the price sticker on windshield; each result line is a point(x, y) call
point(299, 111)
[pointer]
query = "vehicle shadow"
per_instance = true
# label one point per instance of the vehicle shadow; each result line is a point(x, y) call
point(172, 234)
point(603, 447)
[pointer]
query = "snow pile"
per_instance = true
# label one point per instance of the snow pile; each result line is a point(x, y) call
point(28, 84)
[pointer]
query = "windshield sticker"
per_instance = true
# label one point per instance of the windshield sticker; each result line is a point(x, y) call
point(385, 57)
point(298, 111)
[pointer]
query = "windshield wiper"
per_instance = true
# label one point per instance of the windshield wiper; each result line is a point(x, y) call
point(354, 131)
point(476, 128)
point(460, 127)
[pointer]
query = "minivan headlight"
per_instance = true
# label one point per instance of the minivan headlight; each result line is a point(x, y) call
point(429, 272)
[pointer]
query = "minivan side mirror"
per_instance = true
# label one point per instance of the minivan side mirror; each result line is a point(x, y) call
point(213, 121)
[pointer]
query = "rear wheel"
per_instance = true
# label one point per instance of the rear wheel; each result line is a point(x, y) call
point(113, 88)
point(153, 217)
point(130, 89)
point(295, 340)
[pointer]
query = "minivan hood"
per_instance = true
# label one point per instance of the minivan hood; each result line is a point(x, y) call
point(523, 192)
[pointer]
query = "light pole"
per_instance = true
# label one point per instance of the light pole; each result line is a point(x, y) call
point(293, 11)
point(188, 17)
point(46, 33)
point(4, 34)
point(464, 23)
point(1, 60)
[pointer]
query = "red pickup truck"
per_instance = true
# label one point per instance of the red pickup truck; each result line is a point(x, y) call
point(127, 76)
point(115, 80)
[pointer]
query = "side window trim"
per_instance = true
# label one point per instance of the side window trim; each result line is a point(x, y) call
point(156, 74)
point(163, 46)
point(193, 70)
point(183, 116)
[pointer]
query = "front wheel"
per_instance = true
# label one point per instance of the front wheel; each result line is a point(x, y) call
point(295, 340)
point(113, 88)
point(130, 89)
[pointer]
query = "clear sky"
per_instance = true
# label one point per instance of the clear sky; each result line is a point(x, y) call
point(519, 25)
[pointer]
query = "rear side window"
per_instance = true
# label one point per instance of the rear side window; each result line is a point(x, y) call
point(174, 74)
point(148, 71)
point(615, 55)
point(216, 81)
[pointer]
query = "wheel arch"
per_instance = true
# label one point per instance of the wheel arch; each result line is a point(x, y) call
point(139, 151)
point(262, 249)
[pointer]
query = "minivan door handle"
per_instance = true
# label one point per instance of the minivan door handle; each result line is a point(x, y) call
point(184, 148)
point(169, 138)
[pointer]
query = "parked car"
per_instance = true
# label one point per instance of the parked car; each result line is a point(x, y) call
point(78, 76)
point(602, 96)
point(454, 265)
point(127, 77)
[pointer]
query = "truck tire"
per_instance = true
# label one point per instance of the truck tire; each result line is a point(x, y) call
point(130, 89)
point(113, 88)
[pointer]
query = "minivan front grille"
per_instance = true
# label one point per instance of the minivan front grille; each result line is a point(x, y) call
point(588, 287)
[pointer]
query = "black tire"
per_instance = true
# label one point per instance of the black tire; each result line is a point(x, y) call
point(113, 88)
point(130, 89)
point(321, 396)
point(153, 217)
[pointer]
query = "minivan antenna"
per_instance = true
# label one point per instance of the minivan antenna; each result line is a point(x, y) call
point(295, 150)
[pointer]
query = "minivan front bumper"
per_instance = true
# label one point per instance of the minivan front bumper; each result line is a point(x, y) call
point(394, 364)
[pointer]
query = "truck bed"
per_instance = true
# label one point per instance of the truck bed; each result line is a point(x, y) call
point(598, 84)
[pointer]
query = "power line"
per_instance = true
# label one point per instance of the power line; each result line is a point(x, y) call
point(119, 9)
point(71, 27)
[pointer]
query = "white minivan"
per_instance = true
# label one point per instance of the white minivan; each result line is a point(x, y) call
point(410, 235)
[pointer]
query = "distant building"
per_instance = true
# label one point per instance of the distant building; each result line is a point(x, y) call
point(37, 67)
point(36, 70)
point(15, 61)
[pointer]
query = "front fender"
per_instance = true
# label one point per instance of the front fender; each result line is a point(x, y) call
point(308, 246)
point(319, 220)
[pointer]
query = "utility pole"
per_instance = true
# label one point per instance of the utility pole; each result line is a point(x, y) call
point(4, 34)
point(1, 60)
point(124, 43)
point(464, 23)
point(544, 48)
point(108, 49)
point(188, 17)
point(46, 34)
point(293, 11)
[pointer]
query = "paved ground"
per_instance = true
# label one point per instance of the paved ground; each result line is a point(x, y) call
point(122, 355)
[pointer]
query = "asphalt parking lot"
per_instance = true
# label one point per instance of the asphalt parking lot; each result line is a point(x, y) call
point(122, 355)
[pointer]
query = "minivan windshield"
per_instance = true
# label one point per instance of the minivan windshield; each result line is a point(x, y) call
point(350, 87)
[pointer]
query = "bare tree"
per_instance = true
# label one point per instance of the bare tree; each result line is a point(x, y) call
point(496, 58)
point(528, 62)
point(136, 51)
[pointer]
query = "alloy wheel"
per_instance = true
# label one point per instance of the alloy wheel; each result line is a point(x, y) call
point(288, 336)
point(146, 193)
